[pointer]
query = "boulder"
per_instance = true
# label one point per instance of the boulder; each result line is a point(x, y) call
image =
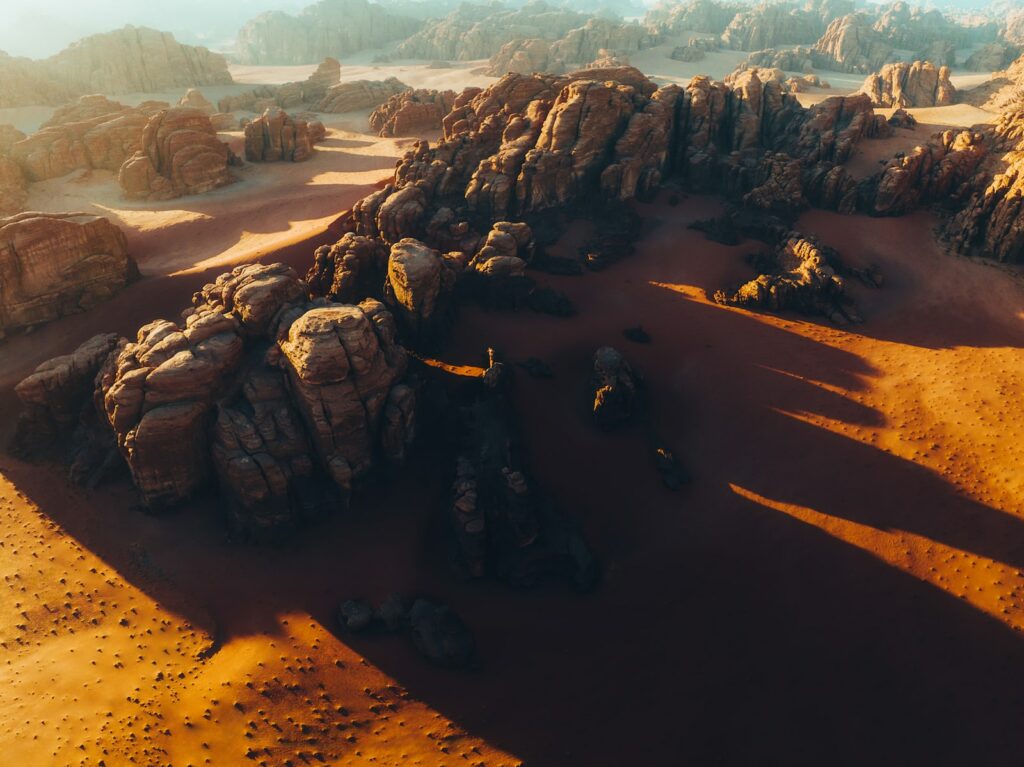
point(359, 94)
point(56, 264)
point(901, 85)
point(275, 137)
point(412, 113)
point(613, 387)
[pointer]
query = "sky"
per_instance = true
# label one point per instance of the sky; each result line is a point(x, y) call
point(39, 29)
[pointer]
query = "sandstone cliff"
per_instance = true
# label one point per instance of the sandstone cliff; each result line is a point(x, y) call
point(920, 84)
point(412, 113)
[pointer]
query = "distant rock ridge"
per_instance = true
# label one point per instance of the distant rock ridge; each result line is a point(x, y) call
point(128, 60)
point(328, 28)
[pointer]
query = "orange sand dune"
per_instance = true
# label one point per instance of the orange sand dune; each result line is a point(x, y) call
point(841, 583)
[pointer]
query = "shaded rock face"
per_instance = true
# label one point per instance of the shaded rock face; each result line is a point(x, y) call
point(53, 265)
point(799, 275)
point(52, 397)
point(613, 387)
point(920, 84)
point(851, 44)
point(912, 28)
point(128, 60)
point(329, 28)
point(309, 91)
point(412, 113)
point(419, 290)
point(93, 132)
point(275, 137)
point(180, 154)
point(284, 402)
point(992, 57)
point(502, 522)
point(359, 94)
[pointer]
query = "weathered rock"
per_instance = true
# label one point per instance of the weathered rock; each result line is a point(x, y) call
point(128, 60)
point(194, 99)
point(412, 113)
point(706, 16)
point(352, 269)
point(330, 28)
point(800, 275)
point(769, 26)
point(992, 57)
point(850, 44)
point(359, 94)
point(180, 155)
point(13, 184)
point(920, 84)
point(613, 387)
point(275, 137)
point(419, 290)
point(54, 395)
point(53, 265)
point(310, 91)
point(901, 118)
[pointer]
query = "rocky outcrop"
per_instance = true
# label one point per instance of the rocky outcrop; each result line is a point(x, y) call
point(309, 91)
point(901, 85)
point(128, 60)
point(329, 28)
point(851, 44)
point(613, 388)
point(419, 288)
point(195, 99)
point(13, 184)
point(799, 275)
point(53, 265)
point(412, 113)
point(992, 57)
point(770, 26)
point(53, 396)
point(93, 132)
point(284, 402)
point(359, 94)
point(706, 16)
point(180, 154)
point(912, 28)
point(275, 137)
point(478, 31)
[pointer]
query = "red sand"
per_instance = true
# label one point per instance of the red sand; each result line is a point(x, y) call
point(841, 584)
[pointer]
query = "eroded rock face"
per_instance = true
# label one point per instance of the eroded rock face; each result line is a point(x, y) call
point(901, 85)
point(419, 290)
point(93, 132)
point(350, 270)
point(769, 26)
point(13, 184)
point(359, 94)
point(707, 16)
point(53, 265)
point(128, 60)
point(992, 57)
point(195, 99)
point(180, 154)
point(412, 113)
point(286, 403)
point(331, 28)
point(54, 395)
point(851, 44)
point(275, 137)
point(799, 275)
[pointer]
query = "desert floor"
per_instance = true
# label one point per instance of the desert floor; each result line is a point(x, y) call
point(841, 583)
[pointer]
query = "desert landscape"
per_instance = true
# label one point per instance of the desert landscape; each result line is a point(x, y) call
point(415, 382)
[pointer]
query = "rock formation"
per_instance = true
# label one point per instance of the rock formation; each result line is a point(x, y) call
point(799, 275)
point(128, 60)
point(706, 16)
point(275, 137)
point(180, 154)
point(53, 265)
point(195, 99)
point(286, 403)
point(13, 184)
point(992, 57)
point(851, 44)
point(329, 28)
point(769, 26)
point(412, 113)
point(309, 91)
point(93, 132)
point(902, 85)
point(359, 94)
point(613, 388)
point(478, 31)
